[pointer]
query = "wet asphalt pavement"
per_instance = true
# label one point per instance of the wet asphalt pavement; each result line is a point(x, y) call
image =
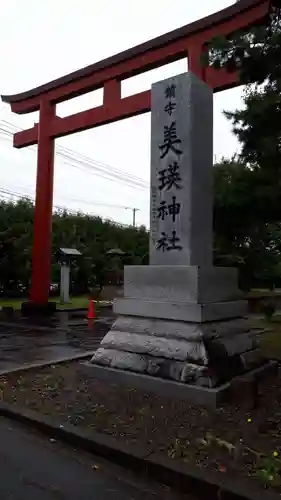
point(35, 467)
point(68, 334)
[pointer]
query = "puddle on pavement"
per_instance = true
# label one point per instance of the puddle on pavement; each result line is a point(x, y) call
point(66, 337)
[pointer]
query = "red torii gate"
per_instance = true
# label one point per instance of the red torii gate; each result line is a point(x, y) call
point(188, 41)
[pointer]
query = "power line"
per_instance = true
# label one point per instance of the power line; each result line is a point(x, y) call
point(87, 202)
point(80, 161)
point(6, 195)
point(115, 171)
point(79, 200)
point(83, 161)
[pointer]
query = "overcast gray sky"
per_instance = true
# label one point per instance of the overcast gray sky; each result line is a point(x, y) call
point(42, 40)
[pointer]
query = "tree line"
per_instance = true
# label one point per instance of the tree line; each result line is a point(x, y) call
point(92, 236)
point(246, 235)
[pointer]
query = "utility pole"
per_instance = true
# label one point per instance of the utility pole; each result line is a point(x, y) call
point(134, 214)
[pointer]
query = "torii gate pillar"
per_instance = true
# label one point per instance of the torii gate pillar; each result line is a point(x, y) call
point(42, 247)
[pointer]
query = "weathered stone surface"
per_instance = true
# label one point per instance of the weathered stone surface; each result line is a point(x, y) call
point(119, 359)
point(191, 120)
point(180, 311)
point(194, 374)
point(155, 366)
point(158, 328)
point(180, 329)
point(251, 359)
point(156, 346)
point(227, 328)
point(181, 372)
point(193, 394)
point(174, 370)
point(181, 283)
point(229, 346)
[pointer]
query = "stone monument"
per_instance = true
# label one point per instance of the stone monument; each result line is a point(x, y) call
point(181, 319)
point(65, 257)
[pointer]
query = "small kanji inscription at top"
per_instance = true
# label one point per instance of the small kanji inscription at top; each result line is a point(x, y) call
point(170, 107)
point(170, 91)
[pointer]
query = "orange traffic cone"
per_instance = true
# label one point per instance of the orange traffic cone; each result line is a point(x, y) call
point(91, 311)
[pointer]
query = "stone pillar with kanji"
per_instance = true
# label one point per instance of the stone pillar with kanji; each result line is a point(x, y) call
point(181, 318)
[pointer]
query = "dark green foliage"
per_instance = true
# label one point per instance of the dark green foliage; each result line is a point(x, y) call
point(257, 57)
point(268, 309)
point(91, 235)
point(248, 194)
point(247, 231)
point(243, 237)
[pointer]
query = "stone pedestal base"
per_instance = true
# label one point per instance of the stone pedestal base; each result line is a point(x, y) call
point(202, 354)
point(202, 339)
point(209, 397)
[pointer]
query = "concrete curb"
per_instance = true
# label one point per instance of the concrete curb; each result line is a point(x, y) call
point(183, 477)
point(42, 364)
point(81, 309)
point(71, 309)
point(18, 324)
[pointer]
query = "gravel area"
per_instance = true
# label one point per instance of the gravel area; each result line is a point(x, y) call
point(242, 440)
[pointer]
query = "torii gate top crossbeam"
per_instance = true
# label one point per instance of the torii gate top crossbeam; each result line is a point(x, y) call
point(188, 41)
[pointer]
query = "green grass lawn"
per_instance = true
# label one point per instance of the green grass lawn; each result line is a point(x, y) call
point(75, 302)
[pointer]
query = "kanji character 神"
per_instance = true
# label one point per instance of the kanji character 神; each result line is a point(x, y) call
point(172, 209)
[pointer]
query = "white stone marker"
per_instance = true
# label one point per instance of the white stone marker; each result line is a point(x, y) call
point(181, 172)
point(64, 283)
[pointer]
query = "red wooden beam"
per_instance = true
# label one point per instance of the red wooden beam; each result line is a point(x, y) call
point(27, 137)
point(153, 54)
point(110, 112)
point(122, 108)
point(114, 109)
point(95, 81)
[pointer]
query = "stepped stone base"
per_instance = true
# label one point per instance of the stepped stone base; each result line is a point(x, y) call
point(203, 339)
point(209, 397)
point(204, 354)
